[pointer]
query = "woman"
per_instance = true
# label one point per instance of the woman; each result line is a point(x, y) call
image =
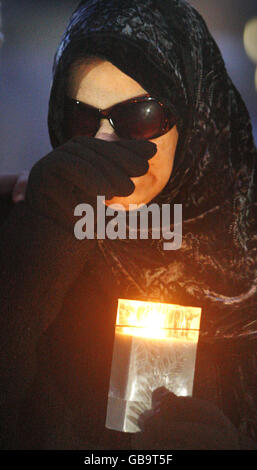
point(204, 159)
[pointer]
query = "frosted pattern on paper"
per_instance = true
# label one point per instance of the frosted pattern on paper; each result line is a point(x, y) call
point(151, 363)
point(159, 363)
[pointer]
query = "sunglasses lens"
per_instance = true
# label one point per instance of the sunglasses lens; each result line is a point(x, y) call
point(79, 119)
point(139, 120)
point(146, 119)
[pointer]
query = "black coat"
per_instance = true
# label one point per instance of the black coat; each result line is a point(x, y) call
point(57, 327)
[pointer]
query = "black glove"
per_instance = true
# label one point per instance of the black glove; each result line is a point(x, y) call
point(82, 169)
point(184, 423)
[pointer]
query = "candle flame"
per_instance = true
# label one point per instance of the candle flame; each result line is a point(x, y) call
point(158, 320)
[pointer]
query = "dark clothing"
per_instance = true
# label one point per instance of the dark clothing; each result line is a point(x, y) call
point(34, 278)
point(167, 48)
point(60, 295)
point(58, 345)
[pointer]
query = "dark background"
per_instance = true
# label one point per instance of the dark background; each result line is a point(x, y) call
point(33, 29)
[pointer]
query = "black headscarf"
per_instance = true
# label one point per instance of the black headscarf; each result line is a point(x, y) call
point(166, 46)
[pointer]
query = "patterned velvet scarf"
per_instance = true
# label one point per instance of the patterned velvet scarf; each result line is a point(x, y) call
point(166, 47)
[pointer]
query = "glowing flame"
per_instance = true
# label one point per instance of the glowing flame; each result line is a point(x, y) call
point(158, 320)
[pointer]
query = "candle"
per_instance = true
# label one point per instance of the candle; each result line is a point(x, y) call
point(155, 345)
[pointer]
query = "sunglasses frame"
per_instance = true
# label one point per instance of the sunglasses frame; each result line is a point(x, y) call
point(106, 113)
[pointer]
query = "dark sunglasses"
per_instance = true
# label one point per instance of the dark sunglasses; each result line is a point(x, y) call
point(142, 117)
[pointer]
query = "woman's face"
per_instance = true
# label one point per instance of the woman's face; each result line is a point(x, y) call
point(101, 84)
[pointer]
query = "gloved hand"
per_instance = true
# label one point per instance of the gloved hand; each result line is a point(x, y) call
point(80, 170)
point(184, 423)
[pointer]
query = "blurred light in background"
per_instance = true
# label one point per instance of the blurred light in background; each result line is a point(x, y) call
point(250, 42)
point(250, 39)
